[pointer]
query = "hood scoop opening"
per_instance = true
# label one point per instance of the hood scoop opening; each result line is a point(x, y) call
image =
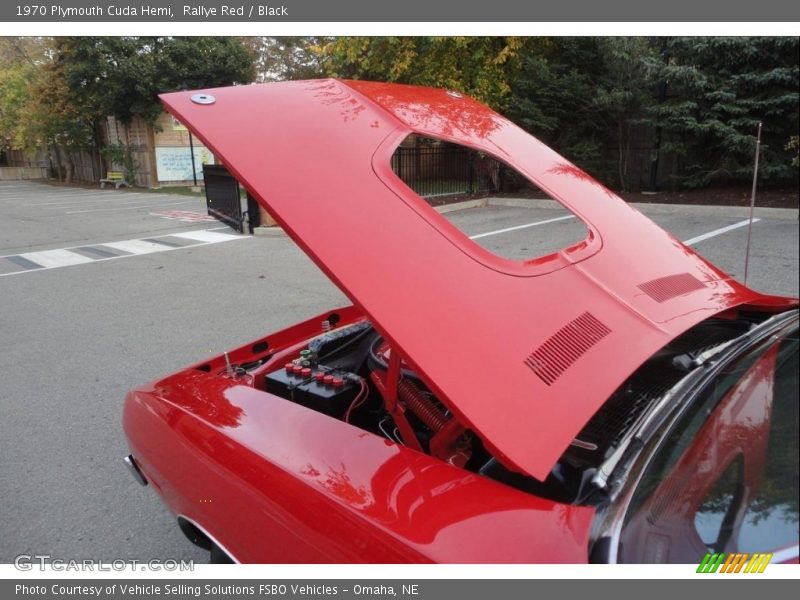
point(566, 346)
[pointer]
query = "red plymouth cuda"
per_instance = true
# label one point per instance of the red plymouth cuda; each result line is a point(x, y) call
point(621, 400)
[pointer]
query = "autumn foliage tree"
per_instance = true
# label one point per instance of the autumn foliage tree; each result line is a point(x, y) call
point(59, 102)
point(479, 66)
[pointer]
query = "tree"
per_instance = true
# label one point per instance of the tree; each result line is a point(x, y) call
point(584, 96)
point(552, 96)
point(478, 66)
point(122, 77)
point(20, 59)
point(35, 108)
point(87, 67)
point(183, 63)
point(718, 90)
point(50, 121)
point(623, 90)
point(287, 58)
point(14, 82)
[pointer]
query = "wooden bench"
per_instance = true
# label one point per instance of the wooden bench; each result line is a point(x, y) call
point(115, 177)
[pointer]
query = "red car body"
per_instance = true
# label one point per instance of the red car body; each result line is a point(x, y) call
point(521, 353)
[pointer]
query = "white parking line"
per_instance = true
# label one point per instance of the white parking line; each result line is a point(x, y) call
point(53, 192)
point(716, 232)
point(105, 202)
point(142, 206)
point(38, 199)
point(44, 199)
point(107, 197)
point(517, 227)
point(689, 242)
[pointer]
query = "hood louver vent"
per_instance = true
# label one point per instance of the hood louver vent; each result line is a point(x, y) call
point(566, 346)
point(665, 288)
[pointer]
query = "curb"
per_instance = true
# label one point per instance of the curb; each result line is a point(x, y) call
point(479, 203)
point(272, 231)
point(760, 212)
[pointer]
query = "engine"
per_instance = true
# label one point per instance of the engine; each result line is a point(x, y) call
point(350, 374)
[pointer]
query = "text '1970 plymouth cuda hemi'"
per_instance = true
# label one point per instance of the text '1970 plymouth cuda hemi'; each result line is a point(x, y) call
point(620, 400)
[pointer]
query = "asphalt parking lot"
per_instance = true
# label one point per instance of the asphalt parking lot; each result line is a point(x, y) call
point(105, 290)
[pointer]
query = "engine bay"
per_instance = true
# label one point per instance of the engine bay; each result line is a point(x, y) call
point(346, 374)
point(350, 373)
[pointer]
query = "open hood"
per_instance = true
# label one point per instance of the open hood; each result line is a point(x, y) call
point(524, 353)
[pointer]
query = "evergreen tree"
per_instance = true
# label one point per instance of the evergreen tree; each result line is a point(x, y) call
point(584, 96)
point(718, 89)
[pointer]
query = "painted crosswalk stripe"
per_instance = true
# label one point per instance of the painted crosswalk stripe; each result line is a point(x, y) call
point(136, 246)
point(206, 236)
point(77, 255)
point(56, 258)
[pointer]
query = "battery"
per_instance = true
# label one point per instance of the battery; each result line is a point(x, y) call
point(329, 398)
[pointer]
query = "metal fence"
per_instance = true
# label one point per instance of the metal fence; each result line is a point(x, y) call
point(446, 169)
point(443, 169)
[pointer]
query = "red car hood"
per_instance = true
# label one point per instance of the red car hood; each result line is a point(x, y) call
point(523, 352)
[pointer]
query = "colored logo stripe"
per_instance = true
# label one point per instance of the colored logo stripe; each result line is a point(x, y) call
point(710, 563)
point(734, 563)
point(758, 563)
